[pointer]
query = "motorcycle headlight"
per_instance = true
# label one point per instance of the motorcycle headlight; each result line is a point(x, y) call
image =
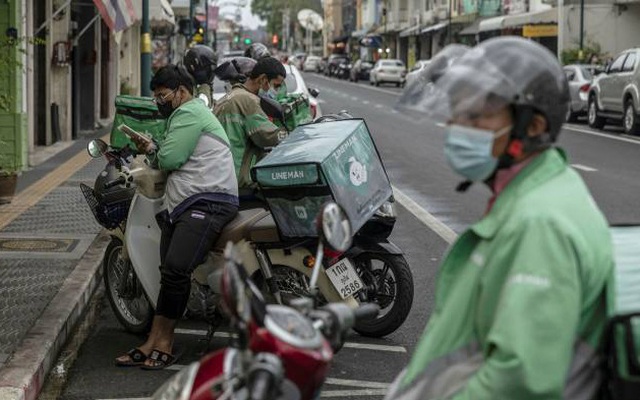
point(387, 210)
point(179, 386)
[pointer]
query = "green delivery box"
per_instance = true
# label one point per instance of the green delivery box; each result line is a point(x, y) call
point(139, 113)
point(316, 163)
point(297, 110)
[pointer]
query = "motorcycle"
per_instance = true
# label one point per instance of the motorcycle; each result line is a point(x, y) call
point(278, 352)
point(129, 194)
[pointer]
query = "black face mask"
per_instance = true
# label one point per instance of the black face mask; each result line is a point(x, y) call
point(165, 109)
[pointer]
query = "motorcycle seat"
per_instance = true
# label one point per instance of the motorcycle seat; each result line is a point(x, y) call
point(256, 225)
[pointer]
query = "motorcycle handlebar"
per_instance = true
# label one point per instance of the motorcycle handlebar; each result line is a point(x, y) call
point(366, 311)
point(115, 182)
point(261, 385)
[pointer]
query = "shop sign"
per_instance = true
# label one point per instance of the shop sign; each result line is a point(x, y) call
point(531, 31)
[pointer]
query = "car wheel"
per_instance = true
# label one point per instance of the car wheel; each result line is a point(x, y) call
point(377, 83)
point(594, 120)
point(571, 116)
point(630, 121)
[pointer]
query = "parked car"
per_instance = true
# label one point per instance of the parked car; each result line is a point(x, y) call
point(298, 60)
point(312, 63)
point(417, 68)
point(360, 70)
point(333, 61)
point(296, 84)
point(388, 70)
point(579, 78)
point(322, 65)
point(614, 94)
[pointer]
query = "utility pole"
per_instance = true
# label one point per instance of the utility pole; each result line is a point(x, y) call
point(145, 52)
point(192, 10)
point(581, 55)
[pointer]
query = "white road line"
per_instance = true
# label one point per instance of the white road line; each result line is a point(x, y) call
point(425, 217)
point(350, 393)
point(354, 383)
point(379, 106)
point(351, 345)
point(583, 167)
point(321, 101)
point(176, 367)
point(360, 86)
point(354, 98)
point(604, 135)
point(365, 102)
point(378, 347)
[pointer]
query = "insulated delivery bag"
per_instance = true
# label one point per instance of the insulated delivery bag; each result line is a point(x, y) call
point(140, 114)
point(622, 336)
point(319, 162)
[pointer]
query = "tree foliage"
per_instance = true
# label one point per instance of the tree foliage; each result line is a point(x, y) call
point(272, 12)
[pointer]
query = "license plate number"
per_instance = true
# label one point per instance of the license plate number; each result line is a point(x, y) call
point(344, 278)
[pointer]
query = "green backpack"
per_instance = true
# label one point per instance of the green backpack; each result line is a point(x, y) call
point(140, 114)
point(622, 336)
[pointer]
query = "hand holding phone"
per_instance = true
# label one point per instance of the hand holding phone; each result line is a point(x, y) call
point(142, 142)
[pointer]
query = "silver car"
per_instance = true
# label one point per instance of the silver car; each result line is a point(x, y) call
point(579, 77)
point(388, 71)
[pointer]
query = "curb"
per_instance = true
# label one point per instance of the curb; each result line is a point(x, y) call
point(23, 376)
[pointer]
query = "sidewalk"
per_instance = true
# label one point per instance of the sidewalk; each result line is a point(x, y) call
point(50, 254)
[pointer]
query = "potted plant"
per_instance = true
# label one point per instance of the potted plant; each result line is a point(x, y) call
point(8, 175)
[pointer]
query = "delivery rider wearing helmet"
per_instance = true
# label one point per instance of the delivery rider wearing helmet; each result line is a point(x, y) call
point(519, 309)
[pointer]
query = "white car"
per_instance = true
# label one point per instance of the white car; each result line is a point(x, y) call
point(388, 70)
point(296, 84)
point(418, 67)
point(312, 63)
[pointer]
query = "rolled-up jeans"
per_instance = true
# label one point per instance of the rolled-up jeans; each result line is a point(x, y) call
point(183, 246)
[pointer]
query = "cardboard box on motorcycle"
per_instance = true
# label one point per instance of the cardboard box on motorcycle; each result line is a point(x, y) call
point(335, 160)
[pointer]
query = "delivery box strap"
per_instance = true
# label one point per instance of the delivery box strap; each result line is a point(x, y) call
point(138, 114)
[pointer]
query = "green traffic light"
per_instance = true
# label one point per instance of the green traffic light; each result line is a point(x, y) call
point(247, 41)
point(236, 39)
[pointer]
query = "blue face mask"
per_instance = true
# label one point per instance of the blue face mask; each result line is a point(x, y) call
point(270, 93)
point(469, 151)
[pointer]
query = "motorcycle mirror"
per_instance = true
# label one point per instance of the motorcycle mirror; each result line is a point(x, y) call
point(314, 92)
point(96, 148)
point(272, 108)
point(233, 287)
point(334, 227)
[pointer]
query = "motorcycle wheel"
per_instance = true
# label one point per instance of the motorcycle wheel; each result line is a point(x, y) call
point(124, 291)
point(389, 283)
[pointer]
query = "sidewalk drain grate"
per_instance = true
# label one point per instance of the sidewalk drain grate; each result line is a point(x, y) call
point(39, 245)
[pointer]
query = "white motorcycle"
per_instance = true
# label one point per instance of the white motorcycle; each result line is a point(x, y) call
point(129, 194)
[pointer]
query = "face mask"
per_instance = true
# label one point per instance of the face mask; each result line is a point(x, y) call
point(469, 151)
point(270, 93)
point(165, 109)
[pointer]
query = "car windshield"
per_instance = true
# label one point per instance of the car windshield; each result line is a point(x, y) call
point(586, 74)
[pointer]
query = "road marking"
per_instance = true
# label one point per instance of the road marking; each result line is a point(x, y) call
point(321, 101)
point(583, 167)
point(360, 86)
point(378, 347)
point(351, 345)
point(354, 98)
point(433, 223)
point(350, 393)
point(365, 102)
point(604, 135)
point(354, 383)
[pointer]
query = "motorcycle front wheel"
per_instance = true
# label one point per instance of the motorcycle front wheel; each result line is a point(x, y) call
point(124, 291)
point(389, 283)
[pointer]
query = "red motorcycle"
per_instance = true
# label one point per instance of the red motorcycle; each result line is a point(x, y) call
point(278, 352)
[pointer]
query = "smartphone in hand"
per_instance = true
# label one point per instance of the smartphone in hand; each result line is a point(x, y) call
point(143, 142)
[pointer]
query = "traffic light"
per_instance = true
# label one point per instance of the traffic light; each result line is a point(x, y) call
point(274, 40)
point(247, 41)
point(236, 39)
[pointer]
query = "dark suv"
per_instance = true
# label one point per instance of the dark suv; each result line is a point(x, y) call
point(615, 93)
point(333, 62)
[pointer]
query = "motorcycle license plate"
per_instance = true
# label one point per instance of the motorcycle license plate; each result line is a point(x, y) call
point(344, 278)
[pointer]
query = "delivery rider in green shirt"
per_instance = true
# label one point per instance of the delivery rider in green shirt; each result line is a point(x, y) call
point(249, 129)
point(519, 310)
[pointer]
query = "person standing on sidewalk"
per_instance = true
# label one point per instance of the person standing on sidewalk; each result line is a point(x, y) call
point(201, 195)
point(520, 298)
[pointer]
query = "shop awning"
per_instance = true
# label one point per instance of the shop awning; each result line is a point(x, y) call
point(374, 41)
point(472, 29)
point(549, 16)
point(161, 13)
point(414, 30)
point(491, 24)
point(117, 14)
point(435, 27)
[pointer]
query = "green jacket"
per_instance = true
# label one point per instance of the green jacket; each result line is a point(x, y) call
point(519, 308)
point(195, 151)
point(249, 129)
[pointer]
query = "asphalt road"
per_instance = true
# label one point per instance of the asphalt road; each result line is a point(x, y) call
point(412, 152)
